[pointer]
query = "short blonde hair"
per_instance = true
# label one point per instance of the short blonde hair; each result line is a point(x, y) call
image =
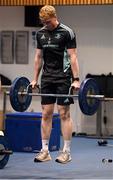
point(47, 12)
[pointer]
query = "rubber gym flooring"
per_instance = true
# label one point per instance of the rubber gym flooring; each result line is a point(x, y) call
point(86, 163)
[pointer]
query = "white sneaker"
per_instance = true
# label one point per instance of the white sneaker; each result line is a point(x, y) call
point(42, 156)
point(64, 157)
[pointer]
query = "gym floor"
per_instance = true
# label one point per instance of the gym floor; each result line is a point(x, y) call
point(86, 163)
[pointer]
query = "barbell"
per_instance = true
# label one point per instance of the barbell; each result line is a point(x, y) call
point(88, 96)
point(5, 151)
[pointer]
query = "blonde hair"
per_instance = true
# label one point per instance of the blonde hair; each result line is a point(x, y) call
point(47, 12)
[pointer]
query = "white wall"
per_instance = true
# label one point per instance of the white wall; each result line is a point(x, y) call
point(14, 20)
point(94, 29)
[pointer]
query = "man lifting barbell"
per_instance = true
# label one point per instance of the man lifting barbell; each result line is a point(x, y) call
point(57, 43)
point(21, 96)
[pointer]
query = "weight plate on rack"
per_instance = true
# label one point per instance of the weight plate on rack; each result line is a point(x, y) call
point(20, 102)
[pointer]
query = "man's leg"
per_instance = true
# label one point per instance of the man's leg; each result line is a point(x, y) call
point(66, 127)
point(46, 125)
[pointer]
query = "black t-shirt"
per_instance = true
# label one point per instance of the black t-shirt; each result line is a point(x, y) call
point(54, 45)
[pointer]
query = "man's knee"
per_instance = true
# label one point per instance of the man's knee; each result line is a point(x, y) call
point(47, 112)
point(64, 112)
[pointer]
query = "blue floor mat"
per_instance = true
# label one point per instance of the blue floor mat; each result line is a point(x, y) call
point(86, 163)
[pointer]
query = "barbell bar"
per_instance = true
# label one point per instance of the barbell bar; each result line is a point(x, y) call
point(100, 97)
point(59, 95)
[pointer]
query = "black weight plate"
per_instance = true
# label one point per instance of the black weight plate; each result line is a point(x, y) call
point(20, 102)
point(3, 158)
point(88, 106)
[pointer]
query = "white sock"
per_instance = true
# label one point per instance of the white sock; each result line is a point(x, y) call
point(45, 144)
point(67, 145)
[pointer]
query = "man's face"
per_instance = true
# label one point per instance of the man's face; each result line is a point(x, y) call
point(49, 23)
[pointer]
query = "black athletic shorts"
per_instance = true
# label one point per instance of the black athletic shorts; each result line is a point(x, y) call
point(56, 87)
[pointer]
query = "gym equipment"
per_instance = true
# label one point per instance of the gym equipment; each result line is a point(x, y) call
point(4, 151)
point(20, 102)
point(104, 143)
point(88, 106)
point(107, 160)
point(88, 96)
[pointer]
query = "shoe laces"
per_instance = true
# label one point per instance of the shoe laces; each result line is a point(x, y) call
point(64, 153)
point(42, 151)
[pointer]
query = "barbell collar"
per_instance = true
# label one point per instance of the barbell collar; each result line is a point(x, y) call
point(64, 95)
